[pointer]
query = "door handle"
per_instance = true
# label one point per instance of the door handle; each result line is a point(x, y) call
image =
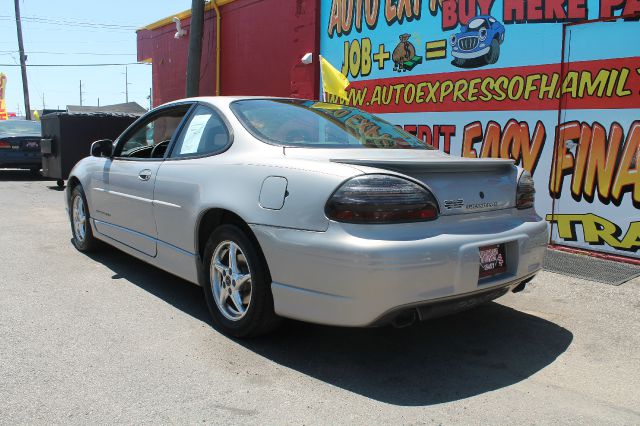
point(144, 174)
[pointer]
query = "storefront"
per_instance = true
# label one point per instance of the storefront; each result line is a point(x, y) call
point(554, 85)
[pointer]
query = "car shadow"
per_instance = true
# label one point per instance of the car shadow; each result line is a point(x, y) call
point(451, 358)
point(19, 175)
point(177, 292)
point(57, 187)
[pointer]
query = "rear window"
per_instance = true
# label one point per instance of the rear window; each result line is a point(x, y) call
point(19, 128)
point(291, 122)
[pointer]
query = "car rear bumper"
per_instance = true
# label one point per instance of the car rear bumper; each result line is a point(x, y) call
point(356, 275)
point(20, 159)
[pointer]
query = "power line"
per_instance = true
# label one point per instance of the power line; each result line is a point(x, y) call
point(74, 42)
point(76, 65)
point(66, 18)
point(73, 28)
point(79, 23)
point(63, 26)
point(71, 22)
point(8, 52)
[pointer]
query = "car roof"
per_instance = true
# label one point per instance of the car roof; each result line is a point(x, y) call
point(225, 100)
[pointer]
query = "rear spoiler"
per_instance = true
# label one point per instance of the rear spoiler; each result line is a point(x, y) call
point(448, 164)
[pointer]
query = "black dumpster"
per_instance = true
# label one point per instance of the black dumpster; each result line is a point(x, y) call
point(67, 138)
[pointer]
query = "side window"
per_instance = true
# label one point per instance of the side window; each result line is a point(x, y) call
point(151, 138)
point(205, 133)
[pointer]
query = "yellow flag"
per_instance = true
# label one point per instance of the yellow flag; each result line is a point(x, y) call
point(333, 81)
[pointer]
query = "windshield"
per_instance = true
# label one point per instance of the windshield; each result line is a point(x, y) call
point(477, 23)
point(291, 122)
point(19, 128)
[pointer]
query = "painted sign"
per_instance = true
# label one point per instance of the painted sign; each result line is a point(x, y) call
point(3, 107)
point(506, 78)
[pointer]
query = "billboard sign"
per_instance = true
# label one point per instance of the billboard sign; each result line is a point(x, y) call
point(508, 79)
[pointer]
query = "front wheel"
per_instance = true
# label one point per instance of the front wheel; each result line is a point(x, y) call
point(83, 238)
point(494, 52)
point(458, 62)
point(238, 285)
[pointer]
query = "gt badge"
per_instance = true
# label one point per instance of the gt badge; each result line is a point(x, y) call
point(454, 204)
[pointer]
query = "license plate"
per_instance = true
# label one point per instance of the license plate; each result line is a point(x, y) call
point(31, 145)
point(493, 260)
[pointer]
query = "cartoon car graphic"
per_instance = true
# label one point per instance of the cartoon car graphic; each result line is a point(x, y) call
point(478, 42)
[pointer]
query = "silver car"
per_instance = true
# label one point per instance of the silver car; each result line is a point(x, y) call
point(307, 210)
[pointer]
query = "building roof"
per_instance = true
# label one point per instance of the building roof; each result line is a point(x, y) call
point(182, 15)
point(126, 108)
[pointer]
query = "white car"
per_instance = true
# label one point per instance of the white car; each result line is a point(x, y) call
point(307, 210)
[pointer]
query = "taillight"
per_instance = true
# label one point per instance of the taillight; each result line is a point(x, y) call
point(5, 145)
point(381, 199)
point(526, 192)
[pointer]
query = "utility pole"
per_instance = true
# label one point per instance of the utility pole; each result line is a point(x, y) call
point(195, 48)
point(150, 99)
point(80, 92)
point(23, 63)
point(43, 104)
point(126, 84)
point(98, 101)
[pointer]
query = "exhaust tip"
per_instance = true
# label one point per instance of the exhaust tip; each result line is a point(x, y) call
point(521, 286)
point(405, 319)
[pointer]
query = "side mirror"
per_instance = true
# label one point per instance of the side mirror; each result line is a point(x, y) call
point(102, 148)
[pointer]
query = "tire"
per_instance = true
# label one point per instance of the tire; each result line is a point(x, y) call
point(494, 52)
point(458, 62)
point(225, 288)
point(83, 238)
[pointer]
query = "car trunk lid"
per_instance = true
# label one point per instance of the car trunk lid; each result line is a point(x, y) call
point(22, 143)
point(461, 185)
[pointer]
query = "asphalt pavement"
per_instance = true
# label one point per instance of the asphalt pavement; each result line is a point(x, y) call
point(108, 339)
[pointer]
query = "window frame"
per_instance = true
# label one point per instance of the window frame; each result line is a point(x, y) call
point(187, 118)
point(143, 121)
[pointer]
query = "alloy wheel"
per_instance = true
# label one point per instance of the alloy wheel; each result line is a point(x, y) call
point(79, 218)
point(230, 280)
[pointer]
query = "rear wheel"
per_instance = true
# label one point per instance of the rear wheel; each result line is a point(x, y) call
point(83, 238)
point(238, 285)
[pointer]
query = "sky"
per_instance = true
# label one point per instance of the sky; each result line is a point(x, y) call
point(78, 32)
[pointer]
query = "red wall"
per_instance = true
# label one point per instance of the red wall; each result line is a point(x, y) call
point(262, 42)
point(169, 58)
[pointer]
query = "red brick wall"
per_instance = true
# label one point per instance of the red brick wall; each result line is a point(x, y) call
point(262, 42)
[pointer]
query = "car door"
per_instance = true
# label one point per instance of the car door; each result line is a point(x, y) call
point(191, 165)
point(123, 200)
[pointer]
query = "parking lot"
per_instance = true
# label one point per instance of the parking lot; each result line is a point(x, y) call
point(108, 339)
